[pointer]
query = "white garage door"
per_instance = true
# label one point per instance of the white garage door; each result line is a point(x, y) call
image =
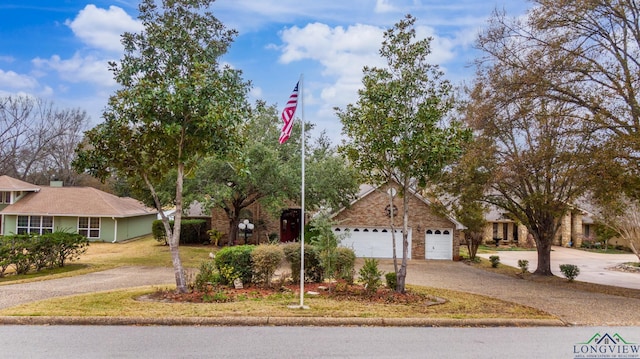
point(372, 242)
point(439, 244)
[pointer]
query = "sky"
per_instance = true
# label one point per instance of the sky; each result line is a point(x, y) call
point(58, 50)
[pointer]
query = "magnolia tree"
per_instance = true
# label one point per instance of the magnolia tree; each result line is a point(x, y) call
point(176, 105)
point(400, 129)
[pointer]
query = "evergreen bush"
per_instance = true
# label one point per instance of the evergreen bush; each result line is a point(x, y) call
point(370, 276)
point(570, 271)
point(235, 262)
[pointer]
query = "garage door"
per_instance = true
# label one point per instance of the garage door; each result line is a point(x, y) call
point(439, 244)
point(372, 242)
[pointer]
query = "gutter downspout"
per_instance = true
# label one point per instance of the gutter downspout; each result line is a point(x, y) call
point(115, 230)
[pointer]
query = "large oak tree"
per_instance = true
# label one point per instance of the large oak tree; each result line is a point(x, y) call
point(266, 172)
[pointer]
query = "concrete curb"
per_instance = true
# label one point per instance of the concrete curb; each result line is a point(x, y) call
point(283, 321)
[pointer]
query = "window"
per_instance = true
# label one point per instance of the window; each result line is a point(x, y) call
point(35, 224)
point(89, 227)
point(505, 231)
point(5, 197)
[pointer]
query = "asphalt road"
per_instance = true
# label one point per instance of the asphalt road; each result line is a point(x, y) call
point(314, 342)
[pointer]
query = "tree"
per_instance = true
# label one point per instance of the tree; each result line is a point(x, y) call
point(598, 43)
point(397, 131)
point(461, 192)
point(253, 173)
point(620, 216)
point(37, 140)
point(263, 171)
point(540, 148)
point(177, 105)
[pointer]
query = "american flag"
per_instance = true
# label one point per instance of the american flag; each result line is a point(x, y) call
point(287, 115)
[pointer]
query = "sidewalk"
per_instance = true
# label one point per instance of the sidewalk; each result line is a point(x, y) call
point(593, 266)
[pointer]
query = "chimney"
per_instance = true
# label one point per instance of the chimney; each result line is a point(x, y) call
point(55, 183)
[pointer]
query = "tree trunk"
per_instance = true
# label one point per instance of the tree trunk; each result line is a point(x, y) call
point(233, 231)
point(544, 257)
point(402, 273)
point(181, 283)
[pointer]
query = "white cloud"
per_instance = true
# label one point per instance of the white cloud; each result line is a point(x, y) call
point(101, 28)
point(383, 6)
point(14, 80)
point(79, 69)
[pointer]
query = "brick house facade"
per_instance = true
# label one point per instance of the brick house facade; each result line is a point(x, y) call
point(371, 210)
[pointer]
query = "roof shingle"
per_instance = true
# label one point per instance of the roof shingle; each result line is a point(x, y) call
point(77, 201)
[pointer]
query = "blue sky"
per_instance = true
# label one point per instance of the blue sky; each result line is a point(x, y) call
point(58, 49)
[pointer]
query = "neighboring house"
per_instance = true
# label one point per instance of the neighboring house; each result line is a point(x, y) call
point(366, 220)
point(100, 216)
point(576, 225)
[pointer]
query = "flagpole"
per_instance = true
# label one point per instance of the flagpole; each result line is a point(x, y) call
point(302, 194)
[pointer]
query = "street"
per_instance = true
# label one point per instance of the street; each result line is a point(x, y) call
point(316, 342)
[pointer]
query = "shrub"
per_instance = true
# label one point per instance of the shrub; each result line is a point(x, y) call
point(43, 251)
point(570, 271)
point(158, 231)
point(68, 246)
point(370, 275)
point(193, 231)
point(392, 280)
point(495, 261)
point(207, 276)
point(524, 265)
point(19, 256)
point(5, 251)
point(345, 264)
point(266, 259)
point(313, 270)
point(326, 242)
point(214, 236)
point(235, 262)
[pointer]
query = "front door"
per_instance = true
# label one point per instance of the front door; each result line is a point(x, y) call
point(290, 225)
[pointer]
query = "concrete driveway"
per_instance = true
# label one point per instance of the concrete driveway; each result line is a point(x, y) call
point(593, 266)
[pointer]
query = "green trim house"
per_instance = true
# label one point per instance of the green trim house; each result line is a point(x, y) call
point(100, 216)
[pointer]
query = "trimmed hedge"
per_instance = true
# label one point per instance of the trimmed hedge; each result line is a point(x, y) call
point(192, 231)
point(313, 271)
point(266, 259)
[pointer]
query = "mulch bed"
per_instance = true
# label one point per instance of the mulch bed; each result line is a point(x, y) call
point(335, 291)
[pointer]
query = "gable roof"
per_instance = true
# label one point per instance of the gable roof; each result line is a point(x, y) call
point(367, 189)
point(77, 201)
point(9, 184)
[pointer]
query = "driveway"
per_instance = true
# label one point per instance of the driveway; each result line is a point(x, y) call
point(593, 266)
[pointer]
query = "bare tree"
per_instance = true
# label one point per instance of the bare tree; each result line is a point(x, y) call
point(37, 140)
point(621, 216)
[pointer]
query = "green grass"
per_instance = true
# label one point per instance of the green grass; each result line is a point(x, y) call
point(125, 303)
point(491, 249)
point(100, 256)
